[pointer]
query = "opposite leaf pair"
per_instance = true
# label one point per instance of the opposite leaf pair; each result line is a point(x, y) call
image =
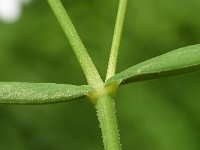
point(183, 60)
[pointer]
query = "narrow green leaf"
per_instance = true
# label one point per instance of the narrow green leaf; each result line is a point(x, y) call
point(180, 61)
point(40, 93)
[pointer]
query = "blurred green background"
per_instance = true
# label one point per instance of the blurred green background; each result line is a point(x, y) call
point(160, 114)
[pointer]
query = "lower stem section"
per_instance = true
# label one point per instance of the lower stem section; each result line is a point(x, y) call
point(105, 106)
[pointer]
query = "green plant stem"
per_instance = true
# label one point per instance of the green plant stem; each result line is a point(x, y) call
point(116, 39)
point(82, 55)
point(105, 106)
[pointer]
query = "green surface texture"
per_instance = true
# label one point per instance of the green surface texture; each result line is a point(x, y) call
point(162, 114)
point(40, 93)
point(180, 61)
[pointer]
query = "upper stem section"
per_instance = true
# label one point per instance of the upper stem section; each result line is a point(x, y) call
point(90, 71)
point(116, 39)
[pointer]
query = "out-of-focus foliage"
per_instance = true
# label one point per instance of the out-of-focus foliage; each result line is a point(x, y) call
point(161, 114)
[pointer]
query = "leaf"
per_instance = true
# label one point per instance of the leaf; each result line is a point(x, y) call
point(180, 61)
point(40, 93)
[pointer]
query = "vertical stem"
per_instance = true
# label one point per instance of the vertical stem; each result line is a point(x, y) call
point(82, 55)
point(116, 39)
point(108, 122)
